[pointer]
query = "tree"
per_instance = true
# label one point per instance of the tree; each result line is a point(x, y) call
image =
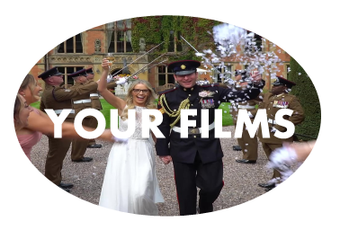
point(309, 100)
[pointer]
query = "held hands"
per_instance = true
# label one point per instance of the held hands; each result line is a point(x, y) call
point(166, 159)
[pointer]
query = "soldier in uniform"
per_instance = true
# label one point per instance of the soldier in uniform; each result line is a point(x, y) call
point(248, 145)
point(277, 99)
point(58, 97)
point(197, 161)
point(96, 104)
point(79, 103)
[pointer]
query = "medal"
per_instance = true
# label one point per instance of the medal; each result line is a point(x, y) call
point(207, 103)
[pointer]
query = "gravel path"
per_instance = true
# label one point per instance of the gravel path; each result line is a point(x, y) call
point(240, 179)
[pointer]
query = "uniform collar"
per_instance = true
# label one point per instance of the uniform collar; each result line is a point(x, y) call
point(281, 94)
point(188, 89)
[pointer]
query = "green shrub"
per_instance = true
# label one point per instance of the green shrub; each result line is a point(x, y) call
point(309, 100)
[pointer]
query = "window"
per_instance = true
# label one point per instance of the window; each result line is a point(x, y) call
point(221, 73)
point(119, 36)
point(253, 43)
point(175, 44)
point(164, 77)
point(69, 70)
point(72, 45)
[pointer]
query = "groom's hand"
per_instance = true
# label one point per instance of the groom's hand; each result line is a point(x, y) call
point(166, 159)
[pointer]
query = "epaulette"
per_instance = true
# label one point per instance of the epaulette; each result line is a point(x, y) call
point(168, 90)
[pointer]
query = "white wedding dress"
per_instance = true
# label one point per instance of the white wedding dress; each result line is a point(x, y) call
point(130, 183)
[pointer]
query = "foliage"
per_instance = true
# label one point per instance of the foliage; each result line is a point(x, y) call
point(227, 119)
point(309, 100)
point(156, 29)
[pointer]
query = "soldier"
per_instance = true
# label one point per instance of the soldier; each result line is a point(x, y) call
point(58, 97)
point(273, 101)
point(96, 104)
point(197, 161)
point(247, 144)
point(79, 103)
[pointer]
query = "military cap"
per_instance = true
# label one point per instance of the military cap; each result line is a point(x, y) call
point(48, 73)
point(184, 67)
point(282, 81)
point(89, 71)
point(81, 72)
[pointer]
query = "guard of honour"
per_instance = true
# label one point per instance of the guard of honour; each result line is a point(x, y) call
point(188, 126)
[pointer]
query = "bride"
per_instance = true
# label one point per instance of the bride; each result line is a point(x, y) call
point(130, 182)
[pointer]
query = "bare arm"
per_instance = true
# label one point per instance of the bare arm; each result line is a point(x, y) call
point(302, 149)
point(107, 95)
point(42, 123)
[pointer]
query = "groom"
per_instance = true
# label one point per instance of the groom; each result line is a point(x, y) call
point(197, 161)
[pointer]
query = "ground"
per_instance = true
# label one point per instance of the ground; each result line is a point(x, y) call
point(240, 180)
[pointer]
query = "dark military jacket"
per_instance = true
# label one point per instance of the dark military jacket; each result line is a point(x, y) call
point(59, 97)
point(272, 103)
point(201, 97)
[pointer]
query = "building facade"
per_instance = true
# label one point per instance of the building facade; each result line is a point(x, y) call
point(88, 48)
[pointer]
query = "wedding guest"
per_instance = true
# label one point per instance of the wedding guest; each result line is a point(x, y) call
point(39, 122)
point(29, 91)
point(283, 158)
point(21, 113)
point(278, 98)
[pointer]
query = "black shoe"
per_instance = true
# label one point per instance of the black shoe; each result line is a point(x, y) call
point(267, 185)
point(84, 159)
point(237, 148)
point(268, 189)
point(66, 185)
point(245, 161)
point(95, 146)
point(66, 189)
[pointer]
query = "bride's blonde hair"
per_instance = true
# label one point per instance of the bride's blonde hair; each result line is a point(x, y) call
point(150, 102)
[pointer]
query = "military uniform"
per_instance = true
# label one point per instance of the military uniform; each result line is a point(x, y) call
point(96, 104)
point(197, 161)
point(79, 103)
point(272, 103)
point(247, 145)
point(57, 98)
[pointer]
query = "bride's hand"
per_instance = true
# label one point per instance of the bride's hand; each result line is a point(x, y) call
point(166, 159)
point(105, 64)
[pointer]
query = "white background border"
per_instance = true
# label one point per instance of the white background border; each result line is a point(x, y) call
point(305, 205)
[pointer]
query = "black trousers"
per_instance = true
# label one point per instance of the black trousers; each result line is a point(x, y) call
point(208, 177)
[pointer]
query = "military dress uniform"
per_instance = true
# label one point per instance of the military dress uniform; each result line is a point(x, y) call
point(79, 103)
point(273, 103)
point(57, 98)
point(197, 161)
